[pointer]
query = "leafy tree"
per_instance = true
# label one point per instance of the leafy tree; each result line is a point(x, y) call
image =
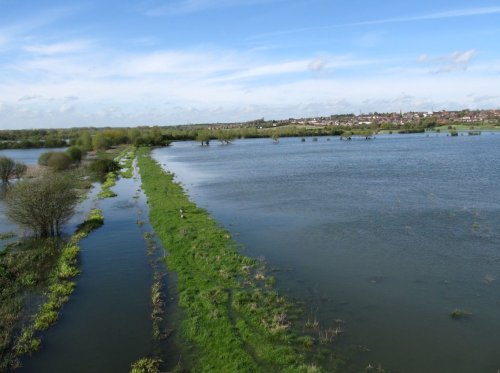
point(7, 167)
point(42, 205)
point(100, 142)
point(203, 137)
point(346, 135)
point(75, 153)
point(85, 141)
point(225, 136)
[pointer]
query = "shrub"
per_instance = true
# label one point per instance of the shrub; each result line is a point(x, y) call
point(101, 167)
point(43, 160)
point(59, 161)
point(75, 153)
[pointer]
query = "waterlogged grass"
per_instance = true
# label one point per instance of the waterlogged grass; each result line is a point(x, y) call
point(110, 182)
point(234, 320)
point(146, 365)
point(127, 159)
point(28, 269)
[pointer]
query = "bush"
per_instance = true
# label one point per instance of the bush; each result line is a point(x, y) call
point(101, 167)
point(59, 161)
point(75, 153)
point(42, 205)
point(43, 160)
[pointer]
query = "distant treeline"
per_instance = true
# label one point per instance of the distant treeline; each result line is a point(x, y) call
point(103, 138)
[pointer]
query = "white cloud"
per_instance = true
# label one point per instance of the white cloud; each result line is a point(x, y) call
point(466, 12)
point(58, 48)
point(423, 58)
point(317, 64)
point(29, 98)
point(181, 7)
point(456, 61)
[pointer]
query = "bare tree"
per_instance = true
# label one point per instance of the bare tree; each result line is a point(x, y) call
point(42, 205)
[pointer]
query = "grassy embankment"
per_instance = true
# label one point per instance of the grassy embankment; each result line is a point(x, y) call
point(233, 318)
point(29, 270)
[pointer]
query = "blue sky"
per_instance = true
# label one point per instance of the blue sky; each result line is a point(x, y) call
point(112, 63)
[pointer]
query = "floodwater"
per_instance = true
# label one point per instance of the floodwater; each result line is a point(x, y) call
point(389, 235)
point(106, 325)
point(30, 158)
point(27, 156)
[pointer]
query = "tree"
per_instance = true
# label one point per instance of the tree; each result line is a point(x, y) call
point(101, 142)
point(85, 141)
point(225, 136)
point(75, 153)
point(42, 205)
point(7, 166)
point(19, 170)
point(203, 137)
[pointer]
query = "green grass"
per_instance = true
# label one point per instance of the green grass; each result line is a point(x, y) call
point(465, 127)
point(127, 157)
point(110, 182)
point(458, 314)
point(146, 365)
point(235, 322)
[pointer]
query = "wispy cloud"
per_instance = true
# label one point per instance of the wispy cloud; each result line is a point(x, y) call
point(466, 12)
point(180, 7)
point(456, 61)
point(58, 48)
point(15, 32)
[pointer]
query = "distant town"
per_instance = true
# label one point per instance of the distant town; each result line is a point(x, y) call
point(379, 120)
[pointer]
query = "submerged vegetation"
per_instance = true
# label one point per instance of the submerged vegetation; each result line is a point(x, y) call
point(233, 319)
point(127, 158)
point(31, 271)
point(110, 182)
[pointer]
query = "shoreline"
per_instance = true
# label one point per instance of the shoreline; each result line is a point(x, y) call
point(234, 318)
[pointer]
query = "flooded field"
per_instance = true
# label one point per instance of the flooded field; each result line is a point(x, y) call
point(390, 235)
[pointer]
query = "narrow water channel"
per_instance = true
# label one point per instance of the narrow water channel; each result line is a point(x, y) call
point(106, 325)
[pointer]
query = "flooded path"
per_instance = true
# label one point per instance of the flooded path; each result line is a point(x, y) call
point(106, 325)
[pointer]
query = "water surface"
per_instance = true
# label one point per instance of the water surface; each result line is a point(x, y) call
point(389, 235)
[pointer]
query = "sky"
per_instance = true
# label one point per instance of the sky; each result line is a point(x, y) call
point(166, 62)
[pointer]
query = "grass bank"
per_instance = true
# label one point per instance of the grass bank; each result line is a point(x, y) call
point(34, 270)
point(233, 318)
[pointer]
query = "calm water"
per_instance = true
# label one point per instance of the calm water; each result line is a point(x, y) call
point(389, 235)
point(30, 158)
point(106, 324)
point(27, 156)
